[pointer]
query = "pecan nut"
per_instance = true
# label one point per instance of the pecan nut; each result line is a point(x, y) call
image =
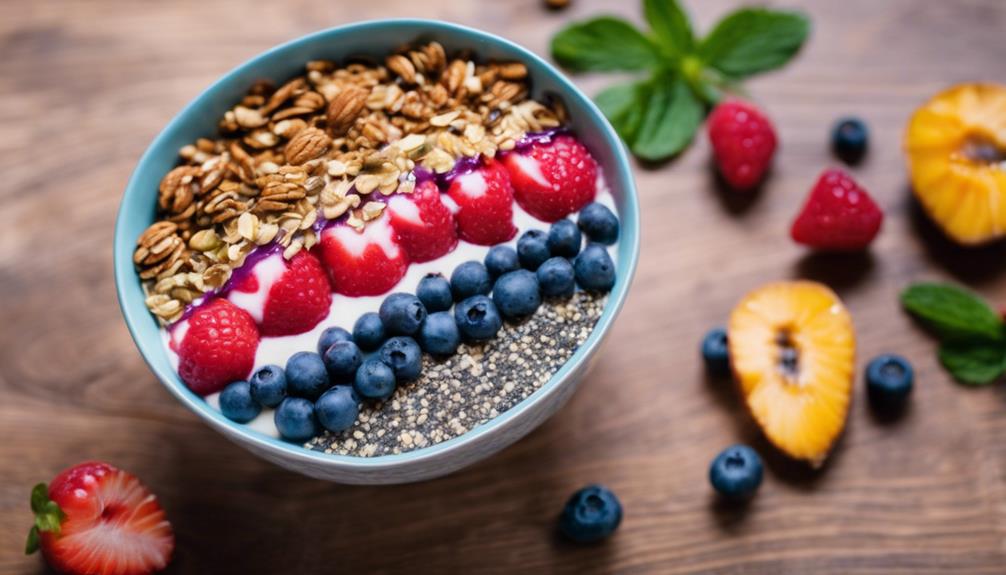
point(307, 145)
point(345, 108)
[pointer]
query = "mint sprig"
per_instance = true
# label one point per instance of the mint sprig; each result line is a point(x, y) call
point(658, 113)
point(972, 335)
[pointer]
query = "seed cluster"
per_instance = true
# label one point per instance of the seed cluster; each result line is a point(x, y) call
point(319, 146)
point(481, 381)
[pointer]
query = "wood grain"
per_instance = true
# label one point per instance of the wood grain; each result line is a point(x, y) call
point(84, 86)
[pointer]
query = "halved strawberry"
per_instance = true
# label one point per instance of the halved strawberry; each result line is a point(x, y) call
point(553, 180)
point(216, 346)
point(95, 519)
point(484, 202)
point(363, 263)
point(424, 225)
point(285, 297)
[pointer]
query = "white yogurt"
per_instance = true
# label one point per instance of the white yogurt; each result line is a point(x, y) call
point(346, 310)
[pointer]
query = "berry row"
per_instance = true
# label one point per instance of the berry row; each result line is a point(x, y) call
point(324, 388)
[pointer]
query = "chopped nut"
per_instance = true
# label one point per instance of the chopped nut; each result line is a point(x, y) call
point(248, 118)
point(372, 210)
point(293, 249)
point(444, 119)
point(289, 128)
point(512, 71)
point(410, 142)
point(248, 226)
point(402, 66)
point(266, 233)
point(204, 240)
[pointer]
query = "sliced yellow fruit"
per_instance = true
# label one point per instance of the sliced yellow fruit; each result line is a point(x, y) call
point(793, 350)
point(956, 147)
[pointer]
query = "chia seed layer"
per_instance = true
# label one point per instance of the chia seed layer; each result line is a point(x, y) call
point(481, 381)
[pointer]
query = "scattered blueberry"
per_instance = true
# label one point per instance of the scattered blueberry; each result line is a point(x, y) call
point(564, 239)
point(342, 360)
point(402, 314)
point(532, 249)
point(889, 382)
point(500, 260)
point(403, 356)
point(591, 514)
point(849, 139)
point(598, 223)
point(306, 375)
point(268, 385)
point(468, 279)
point(337, 408)
point(736, 472)
point(368, 332)
point(435, 292)
point(330, 336)
point(237, 403)
point(295, 419)
point(556, 278)
point(594, 269)
point(374, 380)
point(516, 294)
point(439, 334)
point(477, 318)
point(714, 351)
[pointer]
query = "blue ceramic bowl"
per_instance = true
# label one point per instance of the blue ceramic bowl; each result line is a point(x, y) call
point(377, 38)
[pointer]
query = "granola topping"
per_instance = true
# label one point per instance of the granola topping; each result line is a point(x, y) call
point(332, 143)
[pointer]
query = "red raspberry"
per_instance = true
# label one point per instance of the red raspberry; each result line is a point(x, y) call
point(484, 199)
point(363, 263)
point(424, 225)
point(743, 143)
point(299, 299)
point(839, 215)
point(553, 180)
point(218, 347)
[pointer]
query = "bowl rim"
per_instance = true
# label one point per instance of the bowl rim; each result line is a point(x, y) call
point(125, 272)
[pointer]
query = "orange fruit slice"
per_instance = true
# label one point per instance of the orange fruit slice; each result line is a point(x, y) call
point(792, 349)
point(956, 147)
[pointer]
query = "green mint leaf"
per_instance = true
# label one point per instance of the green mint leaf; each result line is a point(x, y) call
point(753, 40)
point(671, 116)
point(604, 43)
point(623, 104)
point(671, 26)
point(974, 363)
point(33, 542)
point(39, 496)
point(953, 312)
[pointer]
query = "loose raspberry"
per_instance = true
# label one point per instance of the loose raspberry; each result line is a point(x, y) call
point(839, 215)
point(743, 143)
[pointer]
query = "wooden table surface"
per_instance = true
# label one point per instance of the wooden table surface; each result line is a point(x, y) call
point(85, 86)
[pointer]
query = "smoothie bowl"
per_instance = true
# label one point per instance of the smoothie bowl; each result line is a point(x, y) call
point(378, 253)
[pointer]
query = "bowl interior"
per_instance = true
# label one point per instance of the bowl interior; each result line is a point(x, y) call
point(372, 40)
